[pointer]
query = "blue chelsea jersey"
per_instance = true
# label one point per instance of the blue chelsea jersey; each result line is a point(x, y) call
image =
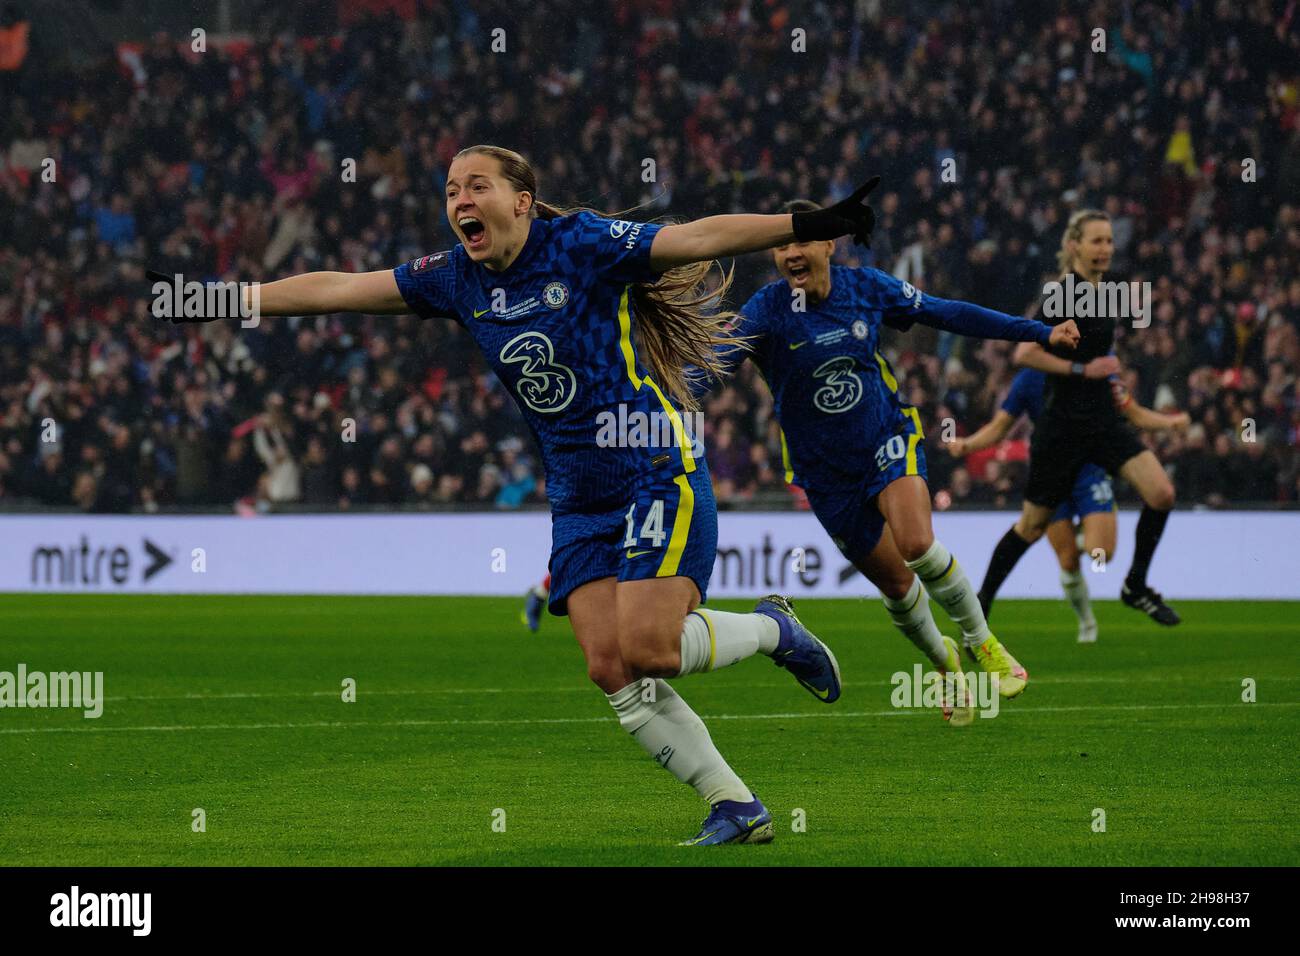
point(836, 396)
point(558, 328)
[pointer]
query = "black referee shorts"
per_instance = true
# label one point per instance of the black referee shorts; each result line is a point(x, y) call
point(1057, 452)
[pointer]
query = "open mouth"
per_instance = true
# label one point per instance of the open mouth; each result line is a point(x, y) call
point(474, 231)
point(798, 272)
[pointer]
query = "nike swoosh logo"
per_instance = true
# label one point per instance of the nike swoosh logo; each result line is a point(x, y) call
point(636, 554)
point(477, 313)
point(753, 821)
point(823, 694)
point(798, 345)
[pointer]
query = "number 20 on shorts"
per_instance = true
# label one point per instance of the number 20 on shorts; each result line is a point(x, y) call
point(892, 450)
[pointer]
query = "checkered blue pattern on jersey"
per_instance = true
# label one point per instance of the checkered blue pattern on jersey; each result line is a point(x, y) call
point(558, 329)
point(836, 395)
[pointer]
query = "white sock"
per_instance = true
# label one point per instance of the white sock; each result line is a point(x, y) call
point(912, 616)
point(672, 733)
point(948, 584)
point(1075, 586)
point(713, 639)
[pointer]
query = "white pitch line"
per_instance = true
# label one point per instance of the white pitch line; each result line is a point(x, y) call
point(802, 715)
point(585, 689)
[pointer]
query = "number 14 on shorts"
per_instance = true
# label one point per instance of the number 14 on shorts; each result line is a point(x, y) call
point(652, 528)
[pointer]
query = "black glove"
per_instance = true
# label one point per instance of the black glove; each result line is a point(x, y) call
point(154, 276)
point(848, 217)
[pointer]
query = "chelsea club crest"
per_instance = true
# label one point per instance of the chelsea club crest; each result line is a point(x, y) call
point(555, 295)
point(859, 329)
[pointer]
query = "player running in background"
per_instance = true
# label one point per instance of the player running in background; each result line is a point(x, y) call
point(578, 315)
point(535, 603)
point(853, 444)
point(1079, 424)
point(1092, 499)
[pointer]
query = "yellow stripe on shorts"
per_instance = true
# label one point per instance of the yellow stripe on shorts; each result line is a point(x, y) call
point(681, 528)
point(912, 440)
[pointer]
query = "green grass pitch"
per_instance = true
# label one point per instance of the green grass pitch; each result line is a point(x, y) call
point(233, 705)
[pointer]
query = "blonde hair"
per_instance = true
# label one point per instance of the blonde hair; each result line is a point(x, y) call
point(680, 326)
point(1074, 233)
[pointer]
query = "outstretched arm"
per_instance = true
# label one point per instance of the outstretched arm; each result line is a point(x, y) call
point(990, 434)
point(312, 293)
point(901, 304)
point(716, 237)
point(320, 293)
point(966, 318)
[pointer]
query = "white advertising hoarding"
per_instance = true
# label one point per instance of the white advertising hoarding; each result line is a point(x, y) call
point(1202, 555)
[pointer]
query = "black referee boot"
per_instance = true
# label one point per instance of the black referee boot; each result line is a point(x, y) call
point(1147, 600)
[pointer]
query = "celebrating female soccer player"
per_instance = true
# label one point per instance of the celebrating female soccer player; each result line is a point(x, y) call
point(854, 444)
point(579, 315)
point(1080, 424)
point(1092, 499)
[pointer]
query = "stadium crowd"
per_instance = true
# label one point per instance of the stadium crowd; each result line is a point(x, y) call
point(989, 124)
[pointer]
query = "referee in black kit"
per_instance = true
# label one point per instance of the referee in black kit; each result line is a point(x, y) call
point(1081, 423)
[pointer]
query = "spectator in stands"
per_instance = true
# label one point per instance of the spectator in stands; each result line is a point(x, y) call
point(282, 483)
point(232, 164)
